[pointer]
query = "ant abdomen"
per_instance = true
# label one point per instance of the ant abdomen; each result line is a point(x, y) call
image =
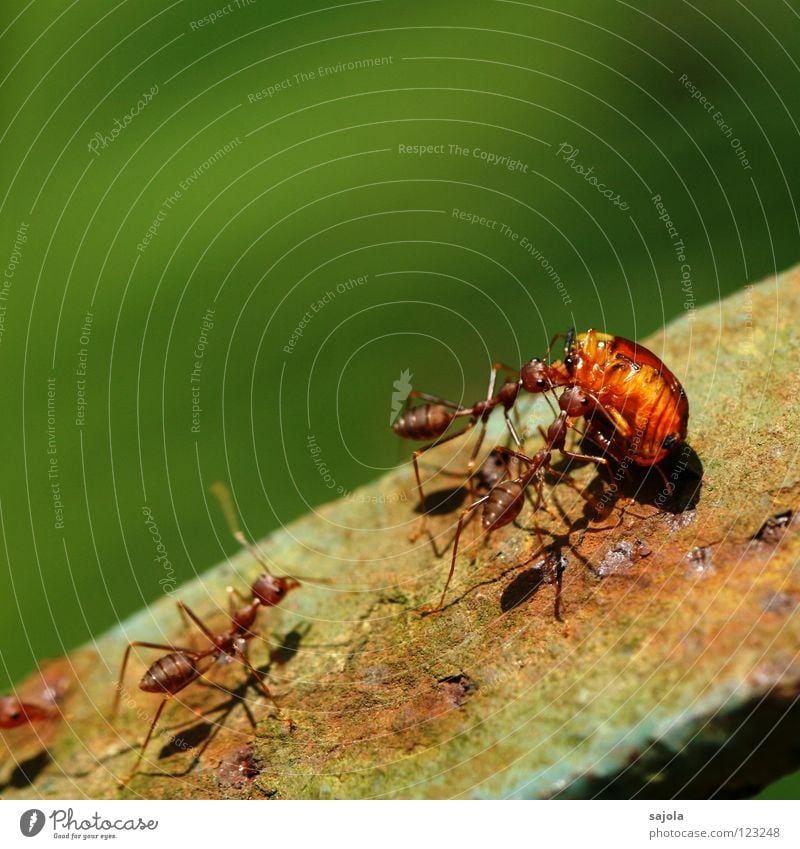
point(503, 505)
point(427, 421)
point(170, 673)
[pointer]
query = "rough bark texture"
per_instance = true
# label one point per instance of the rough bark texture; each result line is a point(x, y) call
point(673, 673)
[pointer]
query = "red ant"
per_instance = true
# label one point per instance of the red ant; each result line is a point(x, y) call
point(182, 666)
point(14, 712)
point(432, 419)
point(30, 716)
point(43, 705)
point(494, 469)
point(504, 501)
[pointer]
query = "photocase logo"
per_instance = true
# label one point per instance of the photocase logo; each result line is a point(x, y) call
point(402, 387)
point(31, 822)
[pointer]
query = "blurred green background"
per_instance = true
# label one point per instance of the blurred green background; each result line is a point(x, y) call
point(161, 161)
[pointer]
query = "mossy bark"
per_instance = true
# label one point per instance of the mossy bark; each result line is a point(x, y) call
point(673, 670)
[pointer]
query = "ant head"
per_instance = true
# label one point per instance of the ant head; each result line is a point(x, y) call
point(536, 376)
point(270, 590)
point(11, 712)
point(575, 403)
point(495, 460)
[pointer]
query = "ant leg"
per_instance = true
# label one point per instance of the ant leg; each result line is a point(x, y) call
point(484, 420)
point(667, 483)
point(417, 454)
point(432, 399)
point(492, 380)
point(496, 367)
point(489, 395)
point(554, 409)
point(541, 502)
point(520, 456)
point(246, 661)
point(557, 600)
point(509, 452)
point(146, 741)
point(187, 623)
point(586, 496)
point(587, 458)
point(197, 621)
point(464, 515)
point(474, 454)
point(139, 643)
point(599, 438)
point(539, 486)
point(512, 429)
point(557, 580)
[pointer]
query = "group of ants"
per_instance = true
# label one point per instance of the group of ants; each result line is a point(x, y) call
point(616, 394)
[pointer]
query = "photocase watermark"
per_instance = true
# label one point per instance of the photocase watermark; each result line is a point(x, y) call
point(719, 119)
point(100, 141)
point(171, 200)
point(32, 822)
point(206, 326)
point(10, 272)
point(53, 469)
point(319, 305)
point(476, 219)
point(80, 371)
point(65, 825)
point(496, 160)
point(402, 389)
point(680, 255)
point(318, 73)
point(223, 12)
point(569, 155)
point(168, 582)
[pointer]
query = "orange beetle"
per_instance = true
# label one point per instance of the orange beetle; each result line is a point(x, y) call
point(634, 406)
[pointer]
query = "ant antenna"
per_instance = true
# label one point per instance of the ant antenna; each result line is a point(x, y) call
point(555, 339)
point(553, 409)
point(223, 495)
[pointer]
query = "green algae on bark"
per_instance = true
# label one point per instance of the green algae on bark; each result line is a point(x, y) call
point(672, 672)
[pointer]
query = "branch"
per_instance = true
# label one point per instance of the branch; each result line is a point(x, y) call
point(673, 673)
